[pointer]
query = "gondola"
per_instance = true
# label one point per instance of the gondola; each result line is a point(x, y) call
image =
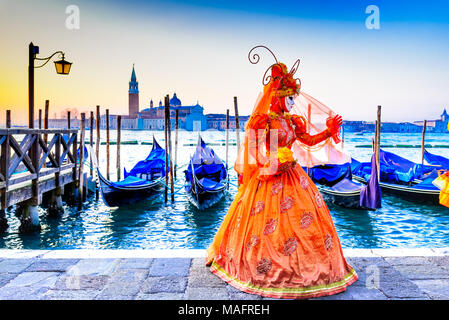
point(144, 180)
point(337, 186)
point(205, 177)
point(402, 177)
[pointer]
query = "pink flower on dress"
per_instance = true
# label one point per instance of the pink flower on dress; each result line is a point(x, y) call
point(260, 205)
point(230, 253)
point(264, 266)
point(276, 187)
point(286, 204)
point(270, 226)
point(253, 241)
point(252, 212)
point(304, 182)
point(319, 199)
point(306, 220)
point(290, 246)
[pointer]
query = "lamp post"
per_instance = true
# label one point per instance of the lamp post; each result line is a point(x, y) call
point(62, 67)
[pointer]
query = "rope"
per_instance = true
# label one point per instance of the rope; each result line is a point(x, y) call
point(233, 184)
point(168, 187)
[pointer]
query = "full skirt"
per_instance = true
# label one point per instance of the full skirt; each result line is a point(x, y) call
point(278, 240)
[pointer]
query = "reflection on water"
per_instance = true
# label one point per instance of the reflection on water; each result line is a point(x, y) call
point(152, 224)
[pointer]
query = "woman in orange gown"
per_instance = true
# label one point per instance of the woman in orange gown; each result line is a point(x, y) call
point(278, 239)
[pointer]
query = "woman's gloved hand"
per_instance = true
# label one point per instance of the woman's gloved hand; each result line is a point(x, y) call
point(333, 125)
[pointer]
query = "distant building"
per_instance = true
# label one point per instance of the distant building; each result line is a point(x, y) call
point(153, 118)
point(441, 124)
point(218, 121)
point(438, 126)
point(358, 126)
point(133, 94)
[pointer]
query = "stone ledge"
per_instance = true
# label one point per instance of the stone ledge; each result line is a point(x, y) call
point(196, 253)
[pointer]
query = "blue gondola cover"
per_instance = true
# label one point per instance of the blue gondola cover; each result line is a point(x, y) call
point(346, 185)
point(330, 174)
point(436, 160)
point(206, 164)
point(153, 164)
point(393, 169)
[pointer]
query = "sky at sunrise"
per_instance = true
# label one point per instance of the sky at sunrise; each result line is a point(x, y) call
point(199, 49)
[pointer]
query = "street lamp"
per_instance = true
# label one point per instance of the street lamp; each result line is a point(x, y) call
point(62, 67)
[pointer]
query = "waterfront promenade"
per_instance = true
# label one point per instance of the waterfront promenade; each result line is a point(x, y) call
point(384, 274)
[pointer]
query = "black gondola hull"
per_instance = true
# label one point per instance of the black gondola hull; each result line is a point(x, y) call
point(343, 199)
point(408, 193)
point(202, 199)
point(116, 197)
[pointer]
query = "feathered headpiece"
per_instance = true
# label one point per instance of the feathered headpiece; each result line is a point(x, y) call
point(283, 82)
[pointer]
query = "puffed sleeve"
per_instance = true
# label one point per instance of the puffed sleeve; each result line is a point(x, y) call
point(259, 121)
point(302, 135)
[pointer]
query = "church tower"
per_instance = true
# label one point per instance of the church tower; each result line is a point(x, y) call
point(133, 107)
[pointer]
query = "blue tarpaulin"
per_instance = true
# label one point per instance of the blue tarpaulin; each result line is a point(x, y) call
point(436, 160)
point(153, 164)
point(346, 185)
point(393, 169)
point(130, 181)
point(206, 164)
point(330, 174)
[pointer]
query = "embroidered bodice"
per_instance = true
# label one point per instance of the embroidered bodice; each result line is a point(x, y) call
point(284, 129)
point(288, 128)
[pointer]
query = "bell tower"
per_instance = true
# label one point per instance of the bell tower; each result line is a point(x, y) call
point(133, 106)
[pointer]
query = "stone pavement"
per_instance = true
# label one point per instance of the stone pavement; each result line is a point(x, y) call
point(171, 275)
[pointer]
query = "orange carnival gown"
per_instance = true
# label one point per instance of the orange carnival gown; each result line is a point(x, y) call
point(278, 239)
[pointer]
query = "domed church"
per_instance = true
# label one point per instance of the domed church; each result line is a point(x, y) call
point(190, 118)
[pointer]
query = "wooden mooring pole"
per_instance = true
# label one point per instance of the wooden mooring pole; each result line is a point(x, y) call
point(73, 190)
point(40, 119)
point(237, 128)
point(29, 215)
point(119, 141)
point(55, 208)
point(237, 123)
point(176, 140)
point(68, 120)
point(8, 119)
point(91, 143)
point(166, 116)
point(170, 157)
point(97, 142)
point(46, 113)
point(377, 136)
point(423, 140)
point(97, 147)
point(81, 188)
point(107, 146)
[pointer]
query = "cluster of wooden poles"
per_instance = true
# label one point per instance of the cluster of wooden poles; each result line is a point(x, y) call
point(170, 168)
point(376, 140)
point(95, 122)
